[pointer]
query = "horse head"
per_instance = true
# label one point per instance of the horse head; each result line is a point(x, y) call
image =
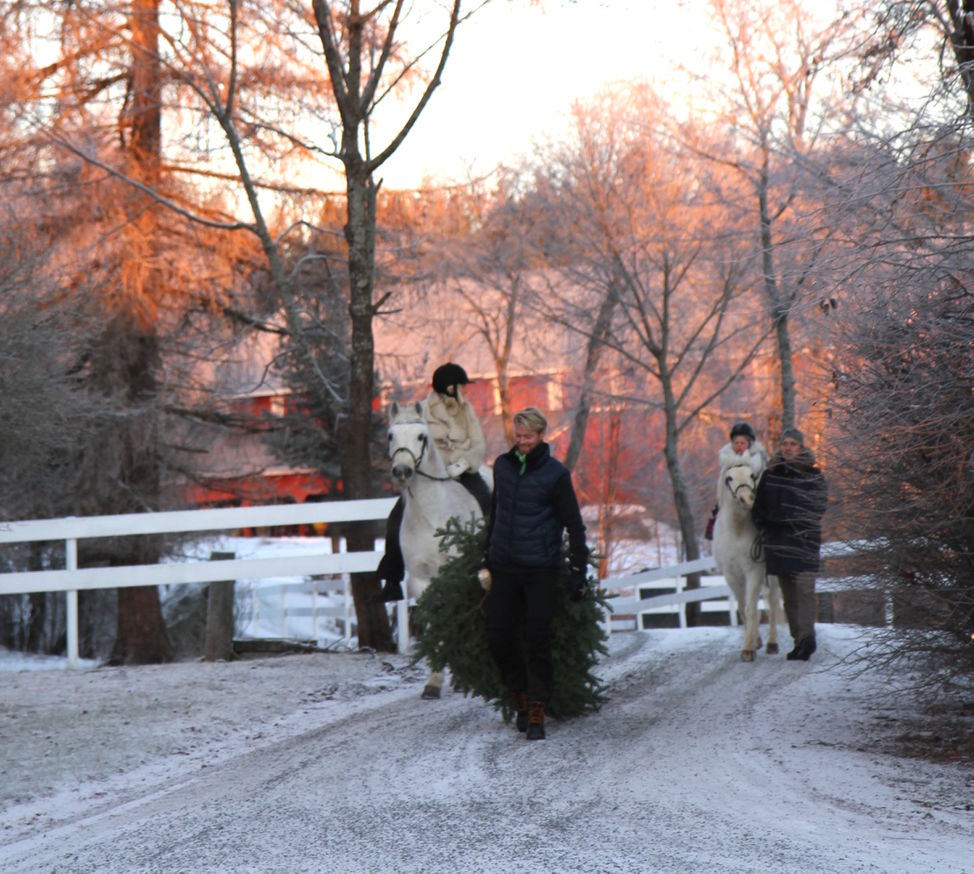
point(740, 479)
point(409, 440)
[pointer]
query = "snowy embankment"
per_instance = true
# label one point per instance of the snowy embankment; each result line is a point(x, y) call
point(331, 762)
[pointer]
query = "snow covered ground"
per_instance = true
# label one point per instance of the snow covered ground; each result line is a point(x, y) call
point(331, 762)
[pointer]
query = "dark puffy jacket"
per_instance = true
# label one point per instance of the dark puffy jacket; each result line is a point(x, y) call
point(788, 507)
point(529, 512)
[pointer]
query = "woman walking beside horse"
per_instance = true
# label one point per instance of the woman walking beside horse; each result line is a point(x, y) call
point(788, 508)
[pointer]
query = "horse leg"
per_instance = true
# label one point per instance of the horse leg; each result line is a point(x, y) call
point(774, 613)
point(434, 685)
point(739, 587)
point(752, 637)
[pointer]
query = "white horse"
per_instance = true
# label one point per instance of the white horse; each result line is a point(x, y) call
point(432, 497)
point(737, 548)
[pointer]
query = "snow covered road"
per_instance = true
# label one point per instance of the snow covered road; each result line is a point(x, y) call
point(333, 763)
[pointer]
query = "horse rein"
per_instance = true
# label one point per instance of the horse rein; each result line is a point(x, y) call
point(739, 486)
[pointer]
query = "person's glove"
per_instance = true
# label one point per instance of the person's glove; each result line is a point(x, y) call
point(577, 584)
point(458, 467)
point(485, 579)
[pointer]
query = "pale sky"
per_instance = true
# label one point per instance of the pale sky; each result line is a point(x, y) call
point(515, 69)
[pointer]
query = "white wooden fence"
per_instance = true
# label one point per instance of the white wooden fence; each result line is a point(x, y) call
point(714, 594)
point(626, 593)
point(72, 529)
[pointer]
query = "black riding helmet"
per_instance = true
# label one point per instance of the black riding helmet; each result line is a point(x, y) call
point(742, 429)
point(447, 377)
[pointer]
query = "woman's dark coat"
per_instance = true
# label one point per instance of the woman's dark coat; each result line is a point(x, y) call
point(788, 507)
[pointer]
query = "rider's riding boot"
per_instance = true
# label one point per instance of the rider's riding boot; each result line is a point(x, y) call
point(390, 574)
point(391, 591)
point(474, 483)
point(391, 568)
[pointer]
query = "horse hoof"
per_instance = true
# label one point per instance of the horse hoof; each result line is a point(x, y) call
point(747, 655)
point(772, 649)
point(431, 692)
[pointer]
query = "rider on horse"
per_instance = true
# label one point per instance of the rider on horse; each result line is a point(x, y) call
point(742, 439)
point(454, 427)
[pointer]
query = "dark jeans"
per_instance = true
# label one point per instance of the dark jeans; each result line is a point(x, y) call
point(527, 594)
point(798, 593)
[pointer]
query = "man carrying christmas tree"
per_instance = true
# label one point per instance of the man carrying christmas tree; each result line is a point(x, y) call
point(533, 503)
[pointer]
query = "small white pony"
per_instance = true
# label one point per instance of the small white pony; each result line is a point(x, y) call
point(432, 497)
point(737, 549)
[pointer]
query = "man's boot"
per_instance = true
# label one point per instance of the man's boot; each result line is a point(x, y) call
point(535, 721)
point(803, 649)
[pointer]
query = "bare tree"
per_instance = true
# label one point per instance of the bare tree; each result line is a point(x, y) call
point(46, 417)
point(243, 87)
point(642, 237)
point(119, 366)
point(903, 414)
point(783, 97)
point(140, 637)
point(489, 270)
point(360, 48)
point(901, 402)
point(899, 27)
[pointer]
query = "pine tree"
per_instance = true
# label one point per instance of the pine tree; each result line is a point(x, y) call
point(450, 619)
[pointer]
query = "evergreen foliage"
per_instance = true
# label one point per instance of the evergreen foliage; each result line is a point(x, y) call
point(450, 617)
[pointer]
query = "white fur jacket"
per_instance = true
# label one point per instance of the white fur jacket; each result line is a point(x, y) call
point(758, 457)
point(455, 429)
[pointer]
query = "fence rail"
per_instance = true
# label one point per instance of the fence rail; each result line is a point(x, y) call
point(713, 591)
point(74, 528)
point(714, 594)
point(677, 596)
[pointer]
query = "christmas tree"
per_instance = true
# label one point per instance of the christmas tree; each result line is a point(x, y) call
point(450, 619)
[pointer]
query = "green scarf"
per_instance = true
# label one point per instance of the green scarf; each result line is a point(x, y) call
point(523, 459)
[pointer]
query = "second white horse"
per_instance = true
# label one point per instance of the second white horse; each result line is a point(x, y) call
point(737, 546)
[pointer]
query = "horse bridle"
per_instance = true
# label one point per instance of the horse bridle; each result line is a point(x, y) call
point(739, 486)
point(425, 439)
point(757, 545)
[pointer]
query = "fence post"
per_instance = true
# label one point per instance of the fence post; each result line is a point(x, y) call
point(402, 625)
point(607, 618)
point(218, 644)
point(314, 610)
point(682, 612)
point(348, 604)
point(71, 610)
